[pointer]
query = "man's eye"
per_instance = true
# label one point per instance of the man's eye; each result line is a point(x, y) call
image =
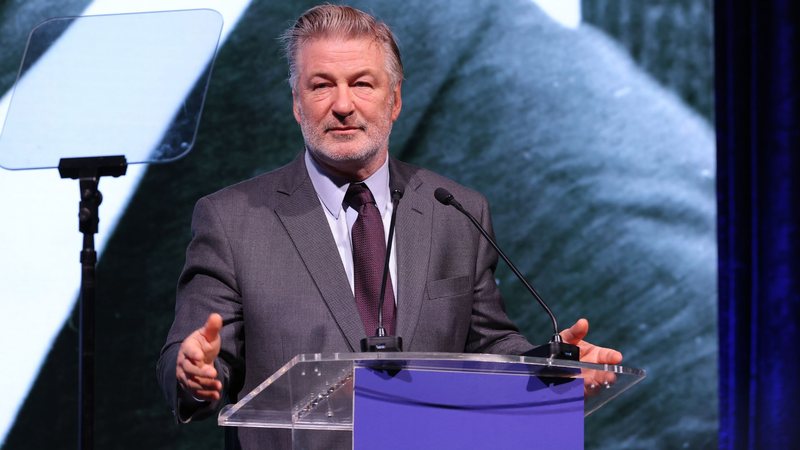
point(318, 86)
point(363, 84)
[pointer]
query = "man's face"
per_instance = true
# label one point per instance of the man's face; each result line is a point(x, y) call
point(345, 104)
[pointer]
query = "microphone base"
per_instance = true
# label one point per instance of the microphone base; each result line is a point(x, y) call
point(555, 350)
point(382, 344)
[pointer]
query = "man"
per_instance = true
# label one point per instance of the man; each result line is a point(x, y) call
point(272, 270)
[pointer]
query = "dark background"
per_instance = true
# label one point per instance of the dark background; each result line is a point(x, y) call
point(601, 181)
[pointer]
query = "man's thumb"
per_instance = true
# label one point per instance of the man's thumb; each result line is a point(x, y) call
point(210, 330)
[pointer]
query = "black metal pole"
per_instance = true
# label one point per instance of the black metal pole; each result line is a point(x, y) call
point(88, 171)
point(88, 216)
point(86, 351)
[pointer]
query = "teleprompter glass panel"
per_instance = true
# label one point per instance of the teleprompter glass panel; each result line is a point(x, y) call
point(122, 84)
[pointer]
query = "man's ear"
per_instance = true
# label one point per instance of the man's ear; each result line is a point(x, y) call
point(398, 100)
point(295, 106)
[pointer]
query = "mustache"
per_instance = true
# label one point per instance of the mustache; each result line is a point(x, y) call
point(346, 123)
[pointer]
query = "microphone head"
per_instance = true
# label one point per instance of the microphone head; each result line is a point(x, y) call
point(397, 194)
point(443, 196)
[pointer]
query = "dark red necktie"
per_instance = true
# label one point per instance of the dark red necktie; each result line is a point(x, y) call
point(369, 254)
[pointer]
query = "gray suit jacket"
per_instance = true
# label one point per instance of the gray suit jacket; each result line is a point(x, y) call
point(262, 255)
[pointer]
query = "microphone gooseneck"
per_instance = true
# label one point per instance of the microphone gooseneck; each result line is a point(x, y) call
point(381, 342)
point(561, 349)
point(397, 194)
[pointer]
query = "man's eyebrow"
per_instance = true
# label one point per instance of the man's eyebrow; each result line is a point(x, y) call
point(365, 72)
point(325, 75)
point(359, 74)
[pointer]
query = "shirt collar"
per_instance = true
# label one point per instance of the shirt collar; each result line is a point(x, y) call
point(331, 192)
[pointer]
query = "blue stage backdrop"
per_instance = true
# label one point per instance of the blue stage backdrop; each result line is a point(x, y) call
point(758, 117)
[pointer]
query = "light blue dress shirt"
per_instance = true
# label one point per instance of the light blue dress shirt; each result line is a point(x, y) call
point(341, 218)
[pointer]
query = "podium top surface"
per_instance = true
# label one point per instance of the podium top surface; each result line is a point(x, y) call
point(315, 391)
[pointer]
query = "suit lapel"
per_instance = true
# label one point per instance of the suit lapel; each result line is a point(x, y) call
point(302, 215)
point(413, 228)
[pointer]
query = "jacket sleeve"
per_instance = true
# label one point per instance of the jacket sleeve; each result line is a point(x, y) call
point(491, 330)
point(207, 285)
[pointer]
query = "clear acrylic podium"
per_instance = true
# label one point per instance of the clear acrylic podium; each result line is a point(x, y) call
point(430, 400)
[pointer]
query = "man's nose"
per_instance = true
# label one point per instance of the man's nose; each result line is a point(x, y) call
point(343, 104)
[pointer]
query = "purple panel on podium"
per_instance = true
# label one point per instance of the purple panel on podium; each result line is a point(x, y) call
point(459, 410)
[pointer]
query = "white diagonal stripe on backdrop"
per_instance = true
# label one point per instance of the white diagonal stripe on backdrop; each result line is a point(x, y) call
point(41, 242)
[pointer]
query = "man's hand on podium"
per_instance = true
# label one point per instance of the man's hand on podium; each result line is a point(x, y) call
point(590, 353)
point(195, 368)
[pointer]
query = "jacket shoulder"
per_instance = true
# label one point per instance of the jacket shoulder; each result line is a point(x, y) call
point(426, 182)
point(262, 188)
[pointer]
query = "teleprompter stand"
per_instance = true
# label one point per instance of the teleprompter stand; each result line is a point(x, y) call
point(88, 172)
point(131, 85)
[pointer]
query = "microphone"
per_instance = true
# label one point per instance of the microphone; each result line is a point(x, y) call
point(556, 348)
point(381, 342)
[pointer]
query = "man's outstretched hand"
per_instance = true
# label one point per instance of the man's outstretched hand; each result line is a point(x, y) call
point(195, 369)
point(590, 353)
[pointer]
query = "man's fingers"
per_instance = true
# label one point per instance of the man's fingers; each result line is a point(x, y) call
point(207, 395)
point(599, 355)
point(202, 346)
point(595, 381)
point(192, 351)
point(197, 350)
point(195, 369)
point(204, 391)
point(190, 369)
point(196, 384)
point(200, 381)
point(608, 356)
point(577, 332)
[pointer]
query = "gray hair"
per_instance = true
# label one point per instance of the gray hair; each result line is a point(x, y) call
point(340, 21)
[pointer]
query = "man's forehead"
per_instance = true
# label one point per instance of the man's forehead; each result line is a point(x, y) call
point(337, 41)
point(361, 53)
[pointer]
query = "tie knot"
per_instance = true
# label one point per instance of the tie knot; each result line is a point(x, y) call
point(358, 194)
